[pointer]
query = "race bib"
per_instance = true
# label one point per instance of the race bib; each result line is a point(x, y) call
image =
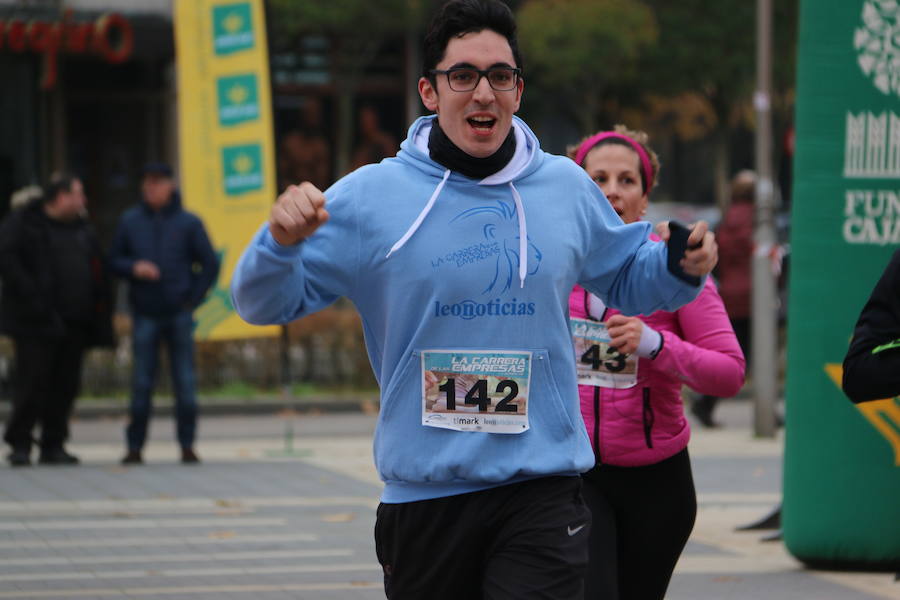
point(599, 364)
point(476, 390)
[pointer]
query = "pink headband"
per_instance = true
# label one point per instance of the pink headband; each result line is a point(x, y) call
point(595, 139)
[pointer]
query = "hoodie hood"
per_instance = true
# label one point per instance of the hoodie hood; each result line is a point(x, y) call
point(526, 159)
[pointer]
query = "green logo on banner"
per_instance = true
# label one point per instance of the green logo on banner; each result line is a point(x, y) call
point(242, 166)
point(238, 99)
point(232, 28)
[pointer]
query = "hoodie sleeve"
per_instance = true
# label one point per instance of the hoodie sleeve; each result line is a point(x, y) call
point(277, 284)
point(626, 270)
point(872, 364)
point(707, 357)
point(202, 254)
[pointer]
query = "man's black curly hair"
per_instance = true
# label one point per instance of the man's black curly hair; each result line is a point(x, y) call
point(459, 17)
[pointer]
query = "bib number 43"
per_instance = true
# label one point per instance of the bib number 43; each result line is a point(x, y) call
point(592, 356)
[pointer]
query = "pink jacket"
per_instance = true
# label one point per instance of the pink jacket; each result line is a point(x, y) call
point(645, 424)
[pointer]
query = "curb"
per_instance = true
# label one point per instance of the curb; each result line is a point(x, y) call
point(108, 409)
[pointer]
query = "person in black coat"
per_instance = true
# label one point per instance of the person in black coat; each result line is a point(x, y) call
point(55, 304)
point(166, 256)
point(872, 364)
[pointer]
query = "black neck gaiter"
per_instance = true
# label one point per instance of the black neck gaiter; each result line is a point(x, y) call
point(445, 152)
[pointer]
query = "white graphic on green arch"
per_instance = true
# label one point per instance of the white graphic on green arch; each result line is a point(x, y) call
point(242, 167)
point(877, 43)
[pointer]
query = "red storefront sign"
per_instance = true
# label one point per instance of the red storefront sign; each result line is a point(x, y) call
point(110, 38)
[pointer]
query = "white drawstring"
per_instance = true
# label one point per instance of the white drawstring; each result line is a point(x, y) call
point(415, 226)
point(520, 213)
point(523, 236)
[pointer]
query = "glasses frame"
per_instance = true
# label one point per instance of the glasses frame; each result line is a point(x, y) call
point(517, 74)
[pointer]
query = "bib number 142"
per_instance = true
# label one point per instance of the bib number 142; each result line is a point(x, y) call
point(477, 395)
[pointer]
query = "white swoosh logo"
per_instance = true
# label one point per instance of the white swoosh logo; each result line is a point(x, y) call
point(576, 530)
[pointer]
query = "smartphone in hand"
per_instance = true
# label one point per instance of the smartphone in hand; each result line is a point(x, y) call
point(677, 245)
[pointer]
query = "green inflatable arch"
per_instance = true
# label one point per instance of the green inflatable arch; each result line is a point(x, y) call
point(842, 462)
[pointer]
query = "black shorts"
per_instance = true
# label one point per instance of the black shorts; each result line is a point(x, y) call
point(515, 542)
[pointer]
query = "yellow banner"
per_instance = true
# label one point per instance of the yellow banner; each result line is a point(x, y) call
point(225, 134)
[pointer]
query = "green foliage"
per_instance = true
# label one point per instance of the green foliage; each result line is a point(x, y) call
point(235, 389)
point(584, 49)
point(347, 17)
point(710, 47)
point(593, 42)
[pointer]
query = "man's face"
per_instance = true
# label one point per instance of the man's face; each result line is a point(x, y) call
point(477, 121)
point(157, 190)
point(71, 204)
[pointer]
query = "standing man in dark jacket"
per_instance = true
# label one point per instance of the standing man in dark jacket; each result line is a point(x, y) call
point(55, 305)
point(872, 364)
point(166, 256)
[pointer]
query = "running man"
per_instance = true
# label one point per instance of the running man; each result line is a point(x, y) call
point(460, 253)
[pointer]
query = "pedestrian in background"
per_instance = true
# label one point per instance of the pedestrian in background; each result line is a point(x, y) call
point(735, 236)
point(165, 254)
point(374, 143)
point(56, 303)
point(631, 369)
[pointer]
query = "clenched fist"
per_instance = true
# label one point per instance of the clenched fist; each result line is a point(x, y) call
point(297, 213)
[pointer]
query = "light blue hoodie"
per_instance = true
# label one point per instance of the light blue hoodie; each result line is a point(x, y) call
point(430, 258)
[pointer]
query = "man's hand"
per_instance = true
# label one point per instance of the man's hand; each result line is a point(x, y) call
point(702, 253)
point(146, 270)
point(297, 213)
point(624, 333)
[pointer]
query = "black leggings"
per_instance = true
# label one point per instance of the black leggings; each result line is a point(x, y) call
point(642, 518)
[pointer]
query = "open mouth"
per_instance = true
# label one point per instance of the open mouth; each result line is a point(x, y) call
point(482, 124)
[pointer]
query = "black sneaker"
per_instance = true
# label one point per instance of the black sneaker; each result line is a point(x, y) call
point(19, 458)
point(57, 456)
point(133, 457)
point(189, 457)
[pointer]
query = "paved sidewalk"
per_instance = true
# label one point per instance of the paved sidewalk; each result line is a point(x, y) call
point(283, 507)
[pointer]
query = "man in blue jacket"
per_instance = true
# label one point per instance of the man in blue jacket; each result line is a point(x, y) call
point(459, 254)
point(165, 254)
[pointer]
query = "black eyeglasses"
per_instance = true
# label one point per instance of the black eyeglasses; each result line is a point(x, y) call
point(466, 79)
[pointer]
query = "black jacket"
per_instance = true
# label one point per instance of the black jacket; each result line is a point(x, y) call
point(176, 241)
point(868, 375)
point(28, 275)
